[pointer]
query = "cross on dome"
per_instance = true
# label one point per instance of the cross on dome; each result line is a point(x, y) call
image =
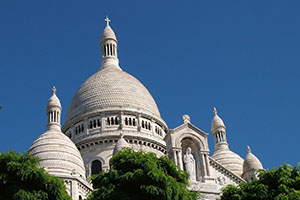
point(248, 149)
point(107, 21)
point(215, 111)
point(54, 90)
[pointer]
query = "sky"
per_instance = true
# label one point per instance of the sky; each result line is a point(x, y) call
point(239, 56)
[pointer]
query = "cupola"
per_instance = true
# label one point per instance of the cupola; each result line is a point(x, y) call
point(251, 165)
point(53, 111)
point(109, 45)
point(223, 154)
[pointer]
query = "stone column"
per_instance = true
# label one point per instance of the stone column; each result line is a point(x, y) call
point(207, 164)
point(86, 126)
point(180, 159)
point(175, 157)
point(73, 189)
point(103, 122)
point(153, 126)
point(121, 121)
point(204, 164)
point(139, 122)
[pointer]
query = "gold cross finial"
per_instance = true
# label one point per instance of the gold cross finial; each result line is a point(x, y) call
point(54, 90)
point(107, 21)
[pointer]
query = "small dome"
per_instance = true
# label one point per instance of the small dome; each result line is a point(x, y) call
point(53, 100)
point(229, 160)
point(58, 154)
point(108, 33)
point(216, 122)
point(251, 162)
point(111, 89)
point(120, 144)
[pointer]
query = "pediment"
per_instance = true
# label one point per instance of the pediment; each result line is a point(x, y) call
point(188, 131)
point(189, 127)
point(222, 174)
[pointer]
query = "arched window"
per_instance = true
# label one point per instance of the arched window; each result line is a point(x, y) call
point(116, 121)
point(126, 121)
point(98, 123)
point(96, 167)
point(133, 122)
point(80, 198)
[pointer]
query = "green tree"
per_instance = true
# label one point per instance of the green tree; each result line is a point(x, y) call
point(139, 175)
point(20, 179)
point(281, 183)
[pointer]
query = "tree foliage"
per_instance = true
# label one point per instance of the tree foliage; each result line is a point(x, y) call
point(281, 183)
point(138, 175)
point(20, 179)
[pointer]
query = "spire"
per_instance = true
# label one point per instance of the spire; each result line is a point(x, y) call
point(109, 45)
point(218, 130)
point(53, 111)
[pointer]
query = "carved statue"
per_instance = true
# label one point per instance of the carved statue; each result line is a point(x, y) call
point(190, 165)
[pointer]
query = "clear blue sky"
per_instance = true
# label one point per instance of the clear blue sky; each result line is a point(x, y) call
point(240, 56)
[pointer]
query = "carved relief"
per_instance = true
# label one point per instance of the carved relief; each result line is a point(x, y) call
point(221, 180)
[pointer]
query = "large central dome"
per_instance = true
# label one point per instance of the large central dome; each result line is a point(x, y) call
point(108, 89)
point(111, 103)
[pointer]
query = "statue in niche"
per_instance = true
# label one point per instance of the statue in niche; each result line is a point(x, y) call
point(190, 165)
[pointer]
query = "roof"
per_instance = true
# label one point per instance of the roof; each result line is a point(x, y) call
point(111, 89)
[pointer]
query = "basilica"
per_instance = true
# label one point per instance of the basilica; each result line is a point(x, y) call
point(112, 110)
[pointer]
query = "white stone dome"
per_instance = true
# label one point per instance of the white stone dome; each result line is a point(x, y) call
point(229, 160)
point(251, 162)
point(111, 89)
point(108, 33)
point(58, 154)
point(216, 123)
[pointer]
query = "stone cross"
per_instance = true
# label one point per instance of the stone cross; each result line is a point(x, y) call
point(248, 149)
point(54, 90)
point(107, 21)
point(186, 119)
point(215, 111)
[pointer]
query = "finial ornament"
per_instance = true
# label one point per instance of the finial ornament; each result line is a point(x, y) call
point(186, 119)
point(215, 111)
point(248, 149)
point(54, 90)
point(107, 21)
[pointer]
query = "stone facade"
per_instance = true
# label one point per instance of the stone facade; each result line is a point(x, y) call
point(112, 109)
